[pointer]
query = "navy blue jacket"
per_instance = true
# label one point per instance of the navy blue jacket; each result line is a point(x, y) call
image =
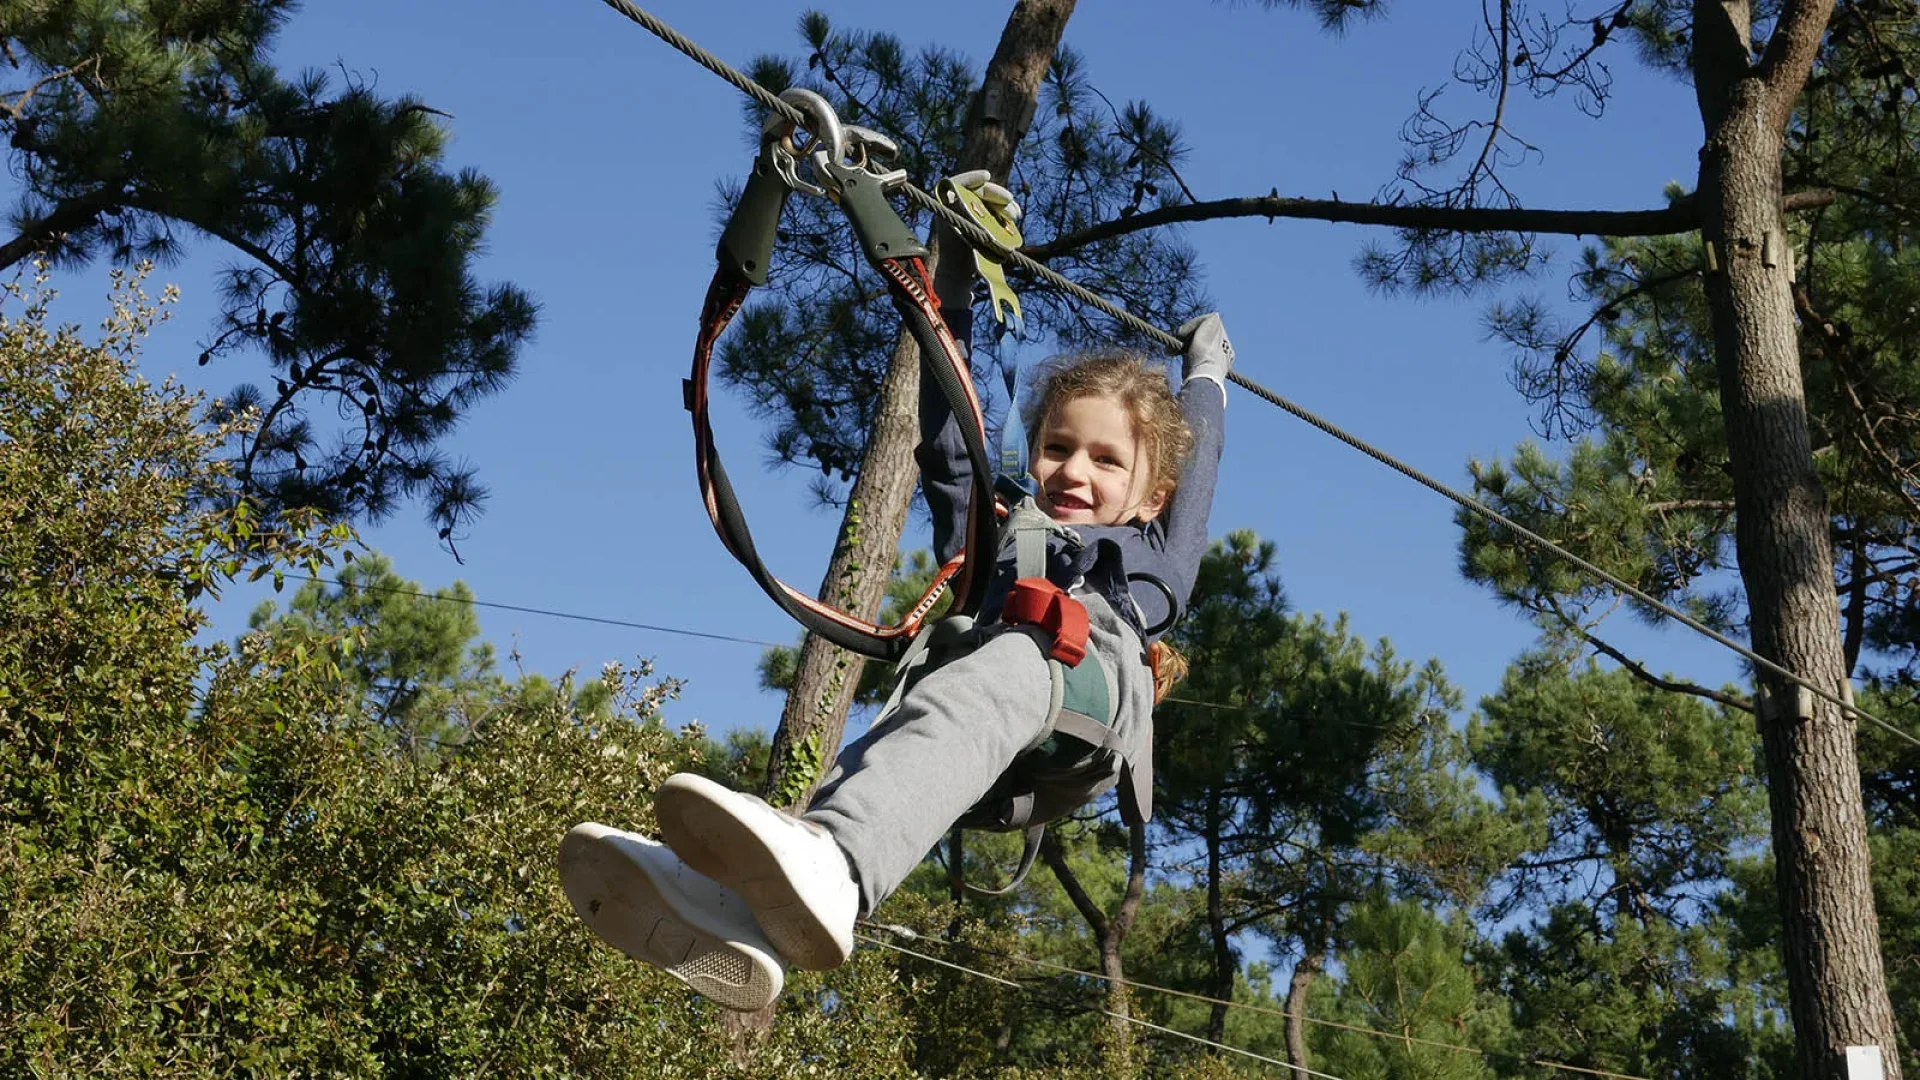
point(1167, 549)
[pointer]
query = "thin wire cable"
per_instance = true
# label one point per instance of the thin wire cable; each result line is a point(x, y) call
point(1250, 1007)
point(1150, 1025)
point(981, 239)
point(550, 614)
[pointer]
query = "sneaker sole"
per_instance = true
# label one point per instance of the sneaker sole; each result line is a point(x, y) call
point(621, 904)
point(731, 850)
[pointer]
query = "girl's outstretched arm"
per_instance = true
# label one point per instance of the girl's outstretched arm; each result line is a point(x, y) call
point(1185, 520)
point(1169, 550)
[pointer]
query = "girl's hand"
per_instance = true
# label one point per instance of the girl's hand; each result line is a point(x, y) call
point(1208, 355)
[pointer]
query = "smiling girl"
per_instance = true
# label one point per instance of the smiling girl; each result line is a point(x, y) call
point(1123, 473)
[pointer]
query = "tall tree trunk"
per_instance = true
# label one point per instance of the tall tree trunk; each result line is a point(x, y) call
point(1836, 986)
point(1223, 967)
point(815, 716)
point(1119, 1049)
point(1313, 960)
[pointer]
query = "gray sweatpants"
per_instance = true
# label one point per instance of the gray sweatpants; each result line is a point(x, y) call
point(895, 791)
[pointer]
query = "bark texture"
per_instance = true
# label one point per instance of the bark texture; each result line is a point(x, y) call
point(1119, 1050)
point(1837, 988)
point(1225, 963)
point(1312, 963)
point(815, 716)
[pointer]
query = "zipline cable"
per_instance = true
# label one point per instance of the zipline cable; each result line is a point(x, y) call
point(982, 240)
point(1049, 965)
point(397, 590)
point(1148, 1024)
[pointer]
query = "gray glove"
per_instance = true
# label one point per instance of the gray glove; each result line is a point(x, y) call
point(1209, 355)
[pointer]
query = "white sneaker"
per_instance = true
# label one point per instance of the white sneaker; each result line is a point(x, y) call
point(793, 875)
point(641, 899)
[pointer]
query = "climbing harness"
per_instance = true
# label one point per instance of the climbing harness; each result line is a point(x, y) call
point(850, 165)
point(1080, 755)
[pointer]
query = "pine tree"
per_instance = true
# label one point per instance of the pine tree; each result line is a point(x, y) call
point(133, 124)
point(1304, 767)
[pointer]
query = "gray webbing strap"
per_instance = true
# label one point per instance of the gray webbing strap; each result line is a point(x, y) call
point(1030, 527)
point(1077, 698)
point(1029, 849)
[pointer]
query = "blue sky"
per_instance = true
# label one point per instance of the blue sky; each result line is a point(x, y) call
point(606, 146)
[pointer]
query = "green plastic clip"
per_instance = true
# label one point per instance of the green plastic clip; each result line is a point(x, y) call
point(1004, 300)
point(875, 222)
point(746, 245)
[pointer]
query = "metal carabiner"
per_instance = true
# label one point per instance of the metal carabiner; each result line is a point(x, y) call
point(850, 165)
point(829, 140)
point(873, 153)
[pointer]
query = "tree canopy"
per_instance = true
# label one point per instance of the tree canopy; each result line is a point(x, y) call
point(136, 127)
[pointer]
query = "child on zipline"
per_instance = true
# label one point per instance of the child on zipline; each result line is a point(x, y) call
point(739, 890)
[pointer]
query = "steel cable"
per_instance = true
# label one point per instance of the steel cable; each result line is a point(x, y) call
point(1134, 1020)
point(1414, 1040)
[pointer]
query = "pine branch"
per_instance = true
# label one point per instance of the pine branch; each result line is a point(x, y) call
point(68, 216)
point(17, 108)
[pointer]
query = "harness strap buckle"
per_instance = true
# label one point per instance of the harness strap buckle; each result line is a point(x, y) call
point(1035, 601)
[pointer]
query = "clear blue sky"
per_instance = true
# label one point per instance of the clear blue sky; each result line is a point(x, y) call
point(606, 146)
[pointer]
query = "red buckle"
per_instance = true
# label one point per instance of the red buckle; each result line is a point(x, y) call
point(1035, 601)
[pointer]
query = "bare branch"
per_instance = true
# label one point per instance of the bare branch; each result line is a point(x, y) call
point(1668, 221)
point(1639, 671)
point(18, 106)
point(1720, 505)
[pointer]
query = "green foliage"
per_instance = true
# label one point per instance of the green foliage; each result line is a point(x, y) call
point(811, 354)
point(1634, 798)
point(410, 663)
point(739, 761)
point(803, 766)
point(1306, 770)
point(1642, 808)
point(1405, 971)
point(1649, 999)
point(136, 122)
point(214, 861)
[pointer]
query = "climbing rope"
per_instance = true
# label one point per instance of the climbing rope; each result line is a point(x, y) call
point(979, 238)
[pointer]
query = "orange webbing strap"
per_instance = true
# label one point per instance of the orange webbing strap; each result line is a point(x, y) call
point(1036, 601)
point(912, 294)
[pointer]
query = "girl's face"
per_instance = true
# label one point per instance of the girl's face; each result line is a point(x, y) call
point(1090, 468)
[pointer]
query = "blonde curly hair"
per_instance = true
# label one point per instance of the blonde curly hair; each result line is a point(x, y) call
point(1139, 386)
